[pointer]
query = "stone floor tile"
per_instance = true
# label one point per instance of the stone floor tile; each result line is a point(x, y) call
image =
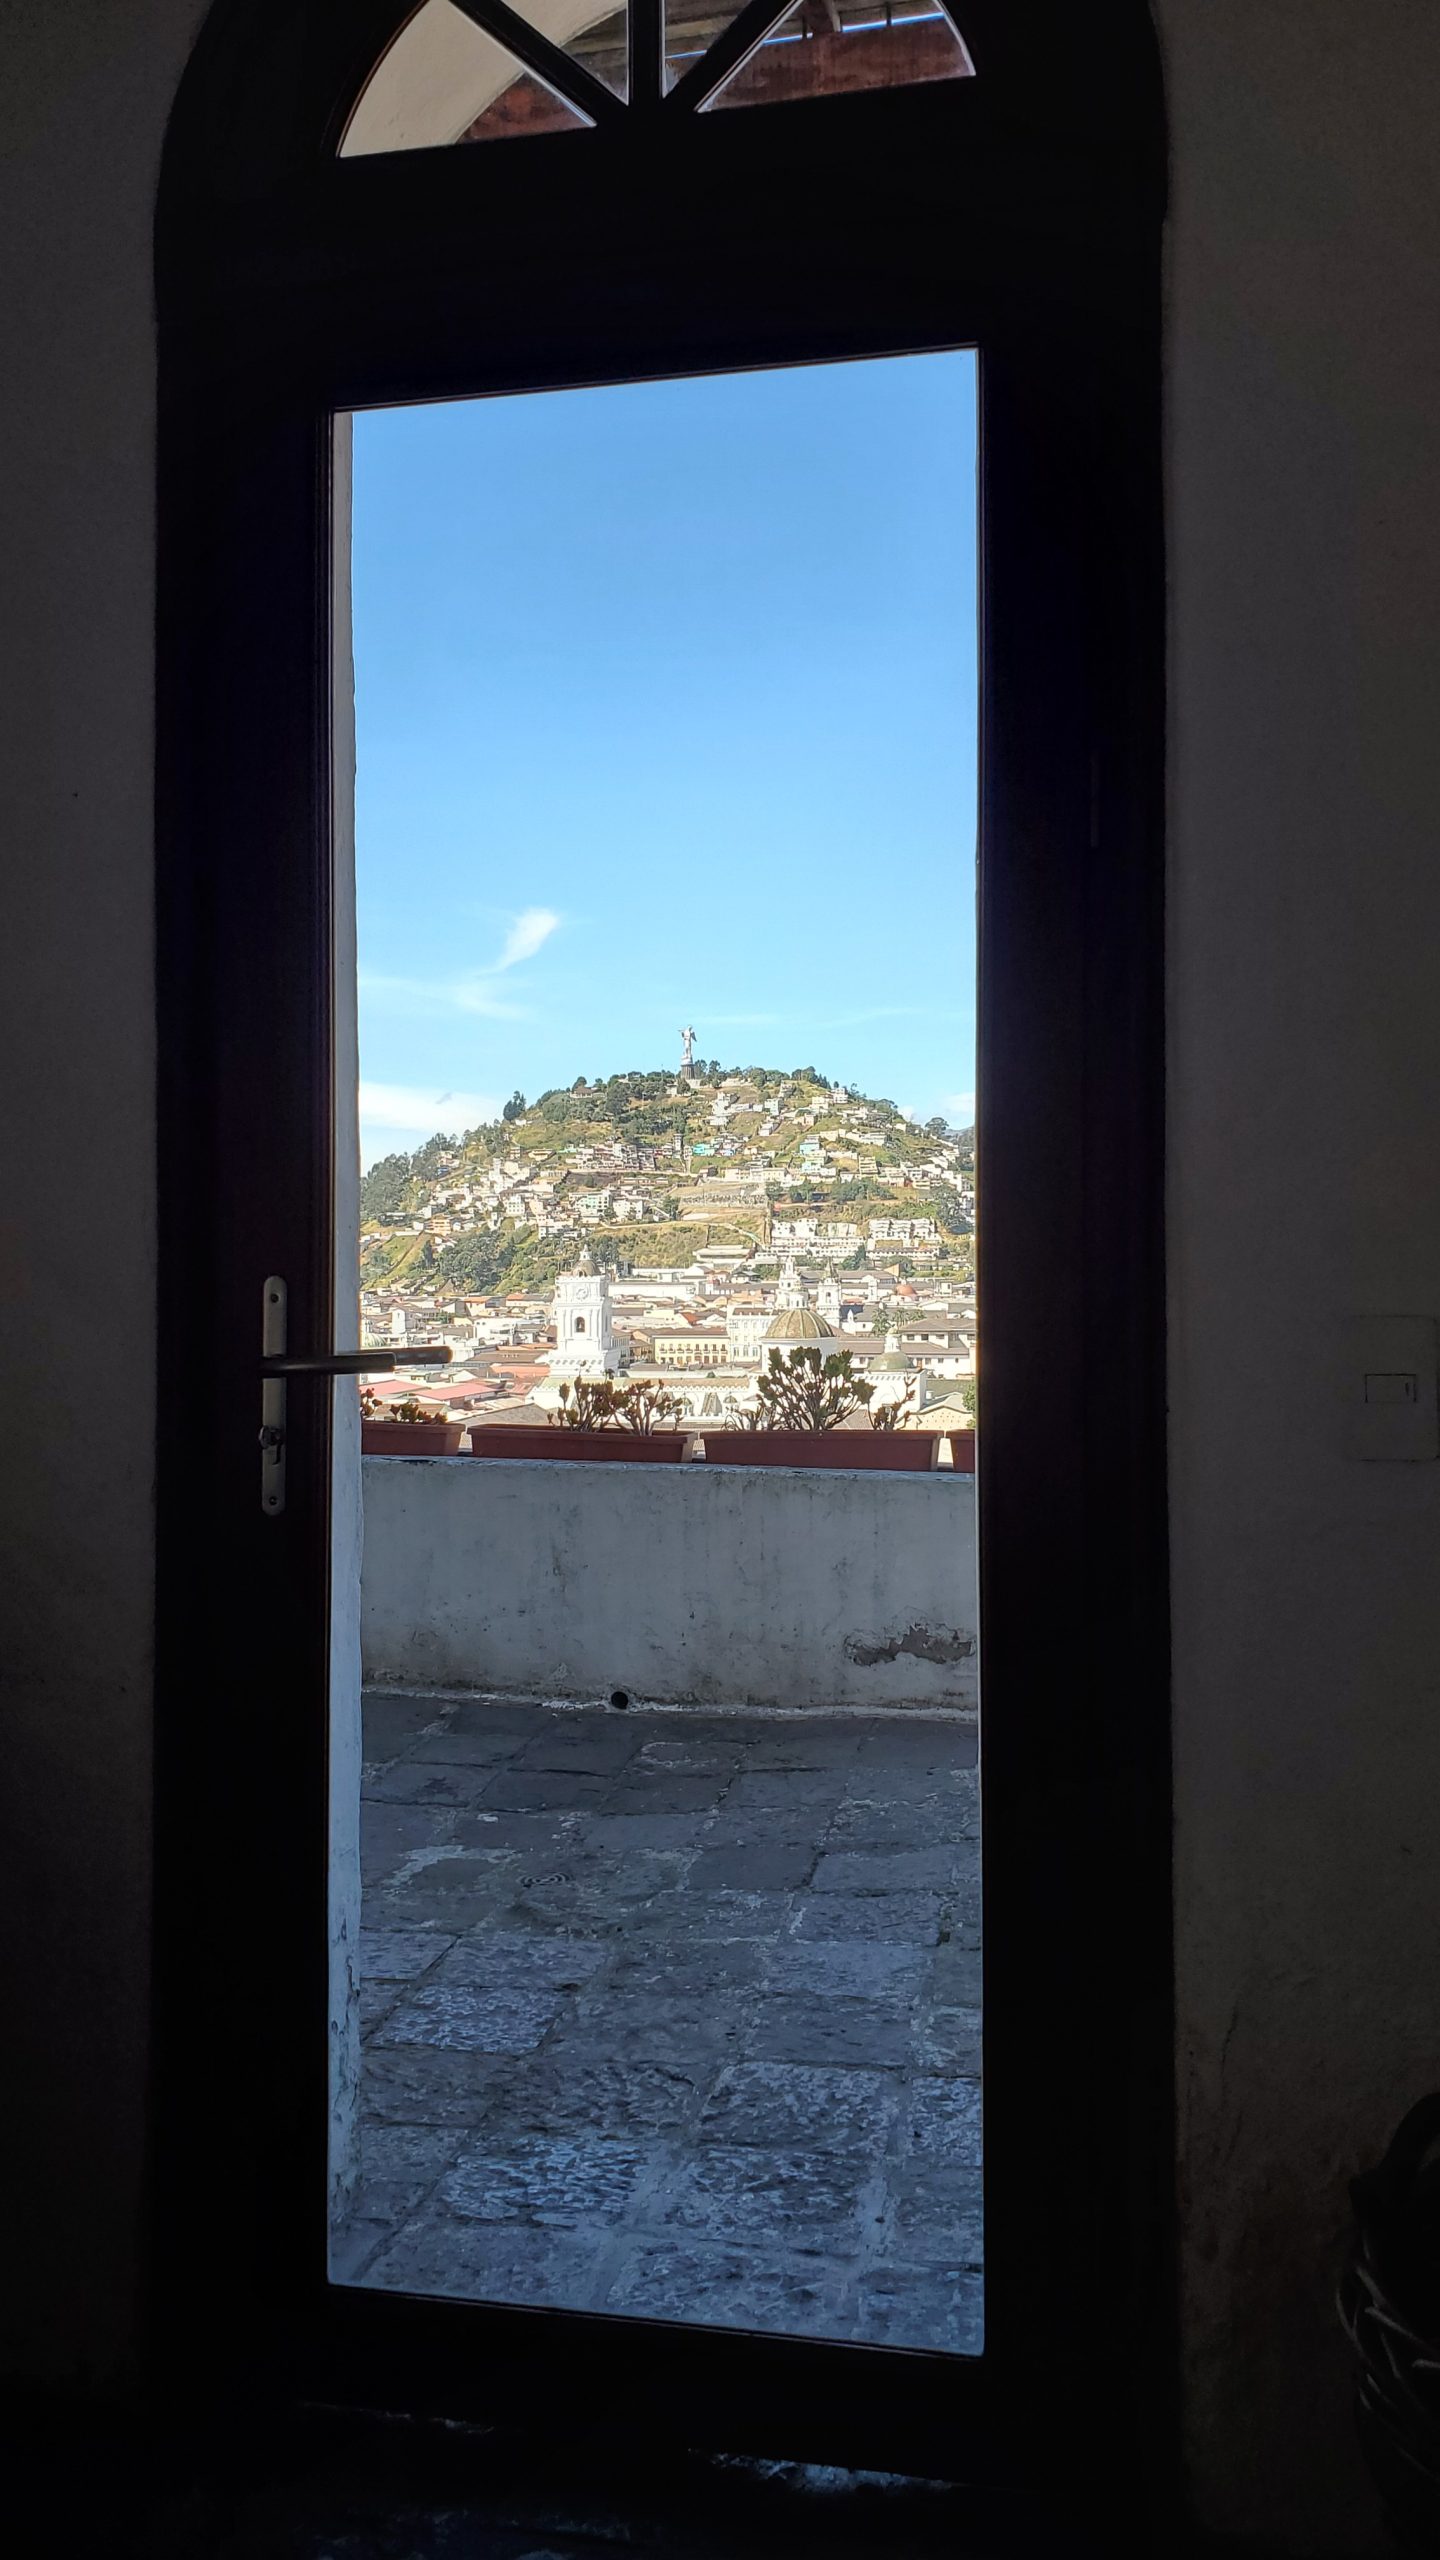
point(427, 1782)
point(914, 1822)
point(471, 2018)
point(549, 2095)
point(771, 1867)
point(652, 2026)
point(943, 2122)
point(417, 2084)
point(533, 1834)
point(776, 2199)
point(797, 1826)
point(962, 1914)
point(466, 1750)
point(544, 1791)
point(690, 1754)
point(596, 1750)
point(803, 1742)
point(521, 1960)
point(694, 1914)
point(390, 1833)
point(377, 1999)
point(885, 1871)
point(619, 1833)
point(956, 1976)
point(949, 2040)
point(847, 1968)
point(938, 2215)
point(785, 1790)
point(642, 1790)
point(919, 1742)
point(571, 2180)
point(596, 1890)
point(863, 2034)
point(407, 2150)
point(397, 1955)
point(446, 1897)
point(921, 2306)
point(797, 2294)
point(354, 2246)
point(798, 2106)
point(394, 1719)
point(702, 1965)
point(399, 2167)
point(518, 1718)
point(492, 2262)
point(896, 1919)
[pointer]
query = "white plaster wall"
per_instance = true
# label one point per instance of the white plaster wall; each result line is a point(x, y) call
point(718, 1585)
point(85, 89)
point(1304, 491)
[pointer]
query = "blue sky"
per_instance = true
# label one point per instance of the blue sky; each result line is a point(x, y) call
point(666, 714)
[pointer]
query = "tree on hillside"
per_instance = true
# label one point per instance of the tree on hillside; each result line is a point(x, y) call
point(950, 1211)
point(385, 1191)
point(515, 1107)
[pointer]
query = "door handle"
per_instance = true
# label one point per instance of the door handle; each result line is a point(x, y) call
point(355, 1364)
point(277, 1364)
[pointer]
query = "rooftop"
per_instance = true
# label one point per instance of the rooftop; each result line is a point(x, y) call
point(673, 2013)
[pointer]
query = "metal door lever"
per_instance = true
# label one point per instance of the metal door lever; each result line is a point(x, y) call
point(277, 1364)
point(356, 1364)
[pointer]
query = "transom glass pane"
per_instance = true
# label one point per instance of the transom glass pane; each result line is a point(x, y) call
point(826, 47)
point(691, 27)
point(594, 33)
point(444, 80)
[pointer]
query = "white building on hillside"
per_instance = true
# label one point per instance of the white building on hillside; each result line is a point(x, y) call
point(585, 1345)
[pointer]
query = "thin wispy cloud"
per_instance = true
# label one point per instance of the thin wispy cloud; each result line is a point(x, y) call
point(468, 990)
point(526, 935)
point(390, 1113)
point(883, 1013)
point(473, 993)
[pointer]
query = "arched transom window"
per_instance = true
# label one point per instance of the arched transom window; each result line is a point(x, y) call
point(480, 71)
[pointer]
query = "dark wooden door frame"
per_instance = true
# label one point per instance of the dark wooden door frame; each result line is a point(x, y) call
point(1021, 214)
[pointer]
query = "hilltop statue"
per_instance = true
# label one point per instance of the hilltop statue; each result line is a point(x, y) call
point(687, 1053)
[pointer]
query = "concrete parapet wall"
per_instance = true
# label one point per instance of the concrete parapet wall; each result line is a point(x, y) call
point(711, 1586)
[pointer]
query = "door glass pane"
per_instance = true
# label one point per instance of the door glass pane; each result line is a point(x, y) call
point(444, 80)
point(668, 1996)
point(826, 47)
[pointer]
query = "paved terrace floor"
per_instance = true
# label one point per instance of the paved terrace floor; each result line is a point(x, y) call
point(673, 2013)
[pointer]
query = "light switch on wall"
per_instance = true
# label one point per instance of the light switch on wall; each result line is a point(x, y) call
point(1390, 1388)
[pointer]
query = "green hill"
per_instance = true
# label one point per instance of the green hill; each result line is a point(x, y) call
point(657, 1137)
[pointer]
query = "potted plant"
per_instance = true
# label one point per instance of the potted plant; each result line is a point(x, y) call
point(406, 1430)
point(804, 1401)
point(914, 1452)
point(597, 1420)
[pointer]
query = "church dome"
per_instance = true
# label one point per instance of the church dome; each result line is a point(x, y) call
point(800, 1324)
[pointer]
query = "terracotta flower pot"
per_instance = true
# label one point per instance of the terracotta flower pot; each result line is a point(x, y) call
point(622, 1448)
point(411, 1439)
point(962, 1452)
point(878, 1452)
